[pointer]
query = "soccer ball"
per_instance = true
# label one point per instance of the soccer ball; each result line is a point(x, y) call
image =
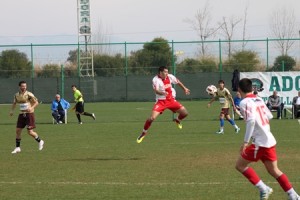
point(211, 89)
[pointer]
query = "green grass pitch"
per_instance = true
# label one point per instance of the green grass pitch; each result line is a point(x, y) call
point(101, 159)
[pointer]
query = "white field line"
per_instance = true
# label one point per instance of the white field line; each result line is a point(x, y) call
point(126, 183)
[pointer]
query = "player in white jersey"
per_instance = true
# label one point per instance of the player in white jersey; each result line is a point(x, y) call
point(259, 143)
point(165, 99)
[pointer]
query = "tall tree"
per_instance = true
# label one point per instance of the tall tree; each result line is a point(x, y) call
point(50, 70)
point(14, 63)
point(245, 26)
point(102, 38)
point(202, 24)
point(155, 53)
point(228, 27)
point(283, 27)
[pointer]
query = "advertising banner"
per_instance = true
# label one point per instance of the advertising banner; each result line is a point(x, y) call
point(287, 84)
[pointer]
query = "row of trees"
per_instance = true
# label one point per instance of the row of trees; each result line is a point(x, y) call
point(144, 61)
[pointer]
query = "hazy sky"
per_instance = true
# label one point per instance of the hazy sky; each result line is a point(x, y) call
point(53, 21)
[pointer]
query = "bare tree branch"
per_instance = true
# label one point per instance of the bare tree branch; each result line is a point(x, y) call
point(283, 24)
point(244, 26)
point(228, 27)
point(201, 23)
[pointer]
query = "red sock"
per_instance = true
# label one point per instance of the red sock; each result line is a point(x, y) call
point(251, 175)
point(147, 124)
point(181, 117)
point(284, 182)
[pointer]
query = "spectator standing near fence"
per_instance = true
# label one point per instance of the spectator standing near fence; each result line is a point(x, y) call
point(27, 102)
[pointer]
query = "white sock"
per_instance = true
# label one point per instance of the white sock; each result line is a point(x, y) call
point(291, 192)
point(261, 186)
point(235, 126)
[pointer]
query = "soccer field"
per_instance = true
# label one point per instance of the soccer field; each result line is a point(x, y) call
point(101, 159)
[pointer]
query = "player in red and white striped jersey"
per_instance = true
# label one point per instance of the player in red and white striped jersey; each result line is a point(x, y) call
point(259, 143)
point(162, 86)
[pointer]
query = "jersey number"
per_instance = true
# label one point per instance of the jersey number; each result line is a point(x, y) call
point(262, 115)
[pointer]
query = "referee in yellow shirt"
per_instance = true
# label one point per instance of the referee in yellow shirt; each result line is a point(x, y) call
point(79, 106)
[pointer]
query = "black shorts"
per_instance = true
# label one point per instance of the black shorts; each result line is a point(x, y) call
point(79, 107)
point(26, 119)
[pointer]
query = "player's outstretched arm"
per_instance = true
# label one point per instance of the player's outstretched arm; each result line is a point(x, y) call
point(185, 89)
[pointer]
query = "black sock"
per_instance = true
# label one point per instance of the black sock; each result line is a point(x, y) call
point(18, 142)
point(78, 117)
point(37, 139)
point(87, 114)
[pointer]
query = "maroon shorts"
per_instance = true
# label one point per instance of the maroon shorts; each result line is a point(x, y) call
point(253, 153)
point(172, 105)
point(26, 119)
point(225, 111)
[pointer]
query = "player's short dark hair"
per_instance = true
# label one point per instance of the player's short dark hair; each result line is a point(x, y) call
point(245, 85)
point(21, 82)
point(221, 81)
point(162, 68)
point(73, 86)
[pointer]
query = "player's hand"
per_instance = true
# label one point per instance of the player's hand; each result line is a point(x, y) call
point(73, 108)
point(208, 105)
point(243, 147)
point(11, 113)
point(234, 108)
point(187, 91)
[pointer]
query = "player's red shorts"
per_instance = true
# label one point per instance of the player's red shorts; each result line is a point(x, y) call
point(253, 153)
point(162, 105)
point(26, 119)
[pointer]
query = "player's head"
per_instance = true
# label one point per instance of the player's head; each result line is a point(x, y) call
point(57, 97)
point(163, 71)
point(73, 87)
point(161, 68)
point(221, 84)
point(245, 86)
point(275, 93)
point(23, 86)
point(22, 82)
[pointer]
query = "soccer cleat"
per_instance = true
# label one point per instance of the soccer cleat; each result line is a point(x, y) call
point(264, 195)
point(93, 116)
point(179, 125)
point(79, 122)
point(237, 130)
point(220, 132)
point(141, 137)
point(16, 150)
point(294, 197)
point(41, 145)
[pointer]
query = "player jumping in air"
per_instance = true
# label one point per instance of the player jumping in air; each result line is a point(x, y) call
point(162, 86)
